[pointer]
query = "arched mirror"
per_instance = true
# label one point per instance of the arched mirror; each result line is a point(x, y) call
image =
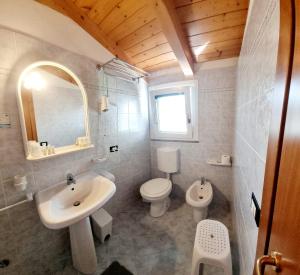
point(53, 110)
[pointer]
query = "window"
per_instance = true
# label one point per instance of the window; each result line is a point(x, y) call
point(171, 113)
point(174, 111)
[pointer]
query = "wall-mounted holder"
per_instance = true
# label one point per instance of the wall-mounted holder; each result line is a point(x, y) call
point(225, 161)
point(29, 197)
point(20, 183)
point(99, 160)
point(104, 104)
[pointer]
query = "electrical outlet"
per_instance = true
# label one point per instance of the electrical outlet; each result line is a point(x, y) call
point(255, 209)
point(114, 148)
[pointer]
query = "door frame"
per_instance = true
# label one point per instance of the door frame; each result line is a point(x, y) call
point(279, 109)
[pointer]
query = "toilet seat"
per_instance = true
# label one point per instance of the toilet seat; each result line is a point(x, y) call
point(156, 188)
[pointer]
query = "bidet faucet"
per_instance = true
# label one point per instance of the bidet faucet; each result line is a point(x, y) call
point(70, 179)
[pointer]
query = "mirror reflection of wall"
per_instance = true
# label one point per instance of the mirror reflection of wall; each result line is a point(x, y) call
point(53, 106)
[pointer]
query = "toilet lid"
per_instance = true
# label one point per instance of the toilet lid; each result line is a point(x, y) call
point(156, 186)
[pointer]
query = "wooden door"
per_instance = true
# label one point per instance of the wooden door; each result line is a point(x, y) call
point(285, 231)
point(284, 223)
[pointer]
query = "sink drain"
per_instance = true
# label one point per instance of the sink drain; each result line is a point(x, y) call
point(76, 203)
point(200, 197)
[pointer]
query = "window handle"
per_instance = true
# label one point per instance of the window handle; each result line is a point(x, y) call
point(189, 120)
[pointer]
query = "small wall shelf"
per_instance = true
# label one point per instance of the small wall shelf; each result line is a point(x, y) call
point(61, 151)
point(218, 163)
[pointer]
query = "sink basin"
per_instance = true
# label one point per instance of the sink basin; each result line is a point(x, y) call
point(70, 206)
point(63, 205)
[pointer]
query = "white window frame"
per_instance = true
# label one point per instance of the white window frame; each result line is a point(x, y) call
point(190, 89)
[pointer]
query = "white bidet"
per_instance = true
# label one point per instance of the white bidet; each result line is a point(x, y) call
point(199, 196)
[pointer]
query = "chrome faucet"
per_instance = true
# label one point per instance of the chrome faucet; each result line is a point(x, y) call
point(70, 179)
point(203, 180)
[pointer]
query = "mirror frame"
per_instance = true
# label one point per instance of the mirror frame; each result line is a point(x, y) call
point(63, 149)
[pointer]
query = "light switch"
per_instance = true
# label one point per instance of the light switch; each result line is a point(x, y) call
point(4, 121)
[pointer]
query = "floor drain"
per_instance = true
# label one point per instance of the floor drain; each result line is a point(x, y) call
point(76, 203)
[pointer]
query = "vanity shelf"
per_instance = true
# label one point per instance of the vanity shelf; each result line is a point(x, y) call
point(61, 151)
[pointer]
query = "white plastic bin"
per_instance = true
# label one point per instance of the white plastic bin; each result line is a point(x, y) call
point(102, 225)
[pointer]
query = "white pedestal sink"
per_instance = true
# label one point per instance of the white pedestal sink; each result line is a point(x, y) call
point(70, 206)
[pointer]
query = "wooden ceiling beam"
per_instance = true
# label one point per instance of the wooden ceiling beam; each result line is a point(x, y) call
point(69, 8)
point(171, 26)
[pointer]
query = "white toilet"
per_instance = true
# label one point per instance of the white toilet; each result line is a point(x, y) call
point(157, 191)
point(199, 196)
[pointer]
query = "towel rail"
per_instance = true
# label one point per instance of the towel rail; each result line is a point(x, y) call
point(123, 67)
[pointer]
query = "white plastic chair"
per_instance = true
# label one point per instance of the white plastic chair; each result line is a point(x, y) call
point(212, 247)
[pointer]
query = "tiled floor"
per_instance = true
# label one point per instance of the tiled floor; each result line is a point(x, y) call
point(154, 246)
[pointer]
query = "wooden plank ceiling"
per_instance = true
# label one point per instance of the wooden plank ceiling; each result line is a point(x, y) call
point(135, 29)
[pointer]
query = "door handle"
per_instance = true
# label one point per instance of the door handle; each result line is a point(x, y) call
point(274, 259)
